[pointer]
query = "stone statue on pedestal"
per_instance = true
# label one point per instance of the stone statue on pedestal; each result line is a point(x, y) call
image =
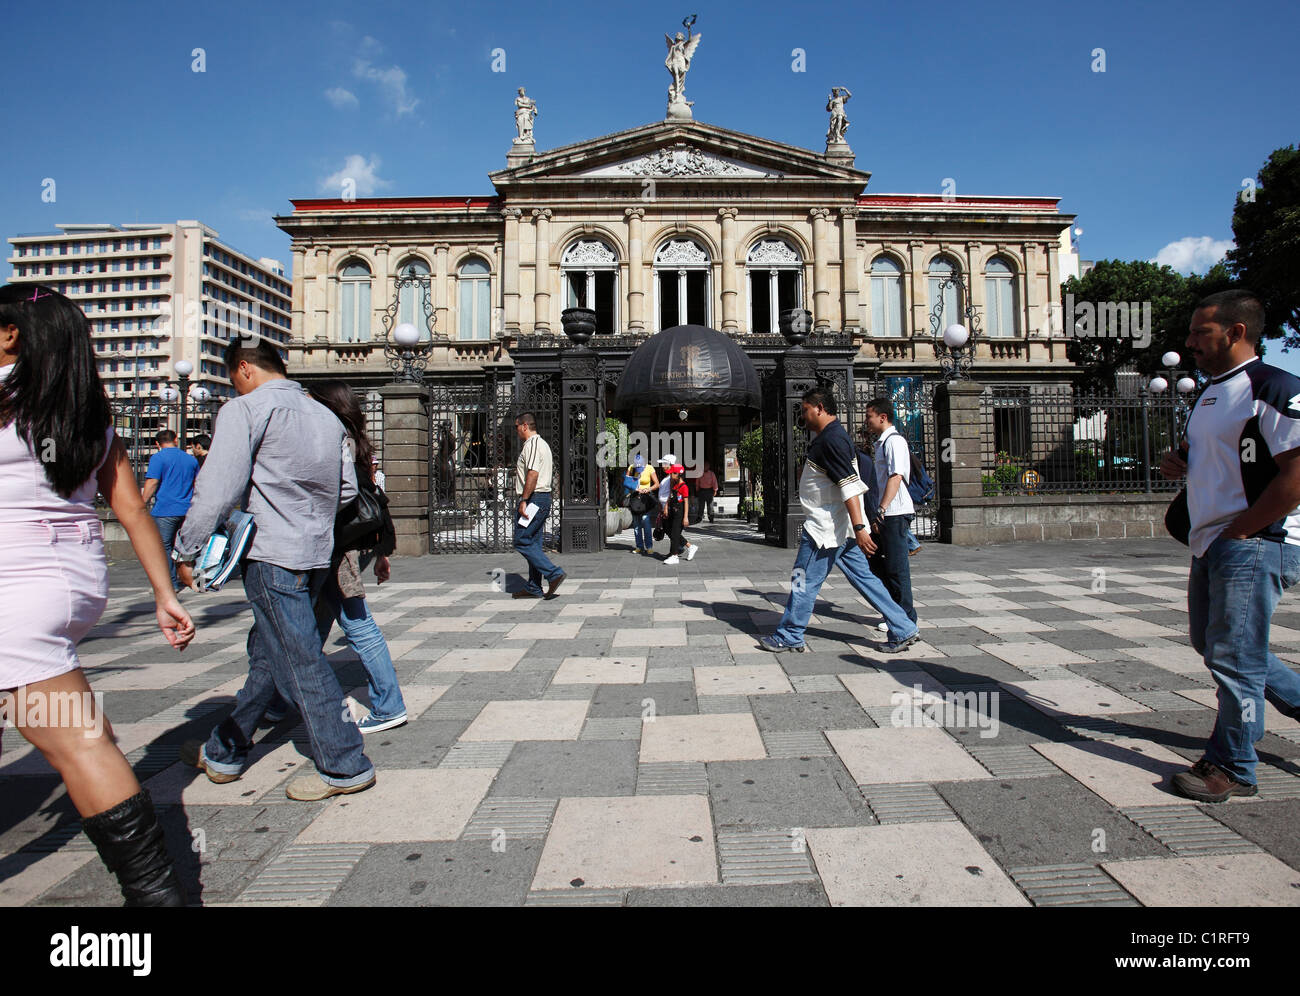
point(680, 51)
point(525, 112)
point(839, 123)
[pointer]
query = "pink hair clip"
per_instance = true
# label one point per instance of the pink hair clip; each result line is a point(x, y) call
point(37, 295)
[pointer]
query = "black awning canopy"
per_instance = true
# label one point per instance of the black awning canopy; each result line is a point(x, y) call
point(688, 365)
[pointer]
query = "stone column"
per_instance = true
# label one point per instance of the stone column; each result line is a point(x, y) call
point(320, 320)
point(541, 267)
point(379, 294)
point(730, 295)
point(920, 324)
point(406, 465)
point(849, 266)
point(1031, 314)
point(440, 322)
point(635, 270)
point(821, 280)
point(510, 271)
point(297, 307)
point(958, 469)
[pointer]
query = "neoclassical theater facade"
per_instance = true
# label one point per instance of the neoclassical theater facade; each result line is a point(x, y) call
point(675, 223)
point(672, 223)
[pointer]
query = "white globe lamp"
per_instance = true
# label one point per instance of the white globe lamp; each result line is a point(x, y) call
point(1158, 385)
point(406, 335)
point(1171, 359)
point(1186, 385)
point(183, 368)
point(955, 336)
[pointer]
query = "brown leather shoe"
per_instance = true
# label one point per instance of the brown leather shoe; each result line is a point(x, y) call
point(1207, 782)
point(555, 585)
point(523, 593)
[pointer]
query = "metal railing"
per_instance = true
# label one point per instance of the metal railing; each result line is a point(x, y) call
point(1052, 441)
point(137, 421)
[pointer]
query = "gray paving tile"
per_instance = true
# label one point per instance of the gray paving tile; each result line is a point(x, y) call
point(784, 792)
point(427, 873)
point(554, 770)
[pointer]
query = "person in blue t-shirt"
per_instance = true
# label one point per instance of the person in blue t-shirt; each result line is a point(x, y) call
point(170, 481)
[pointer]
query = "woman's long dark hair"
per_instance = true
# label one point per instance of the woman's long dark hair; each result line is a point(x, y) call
point(342, 401)
point(53, 394)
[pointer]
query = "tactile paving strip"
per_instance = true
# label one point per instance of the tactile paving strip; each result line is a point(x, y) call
point(1014, 761)
point(1051, 673)
point(1164, 701)
point(305, 874)
point(907, 802)
point(455, 709)
point(481, 754)
point(513, 819)
point(1186, 830)
point(1070, 885)
point(183, 713)
point(764, 857)
point(797, 744)
point(148, 761)
point(1274, 783)
point(618, 728)
point(1097, 728)
point(576, 897)
point(672, 778)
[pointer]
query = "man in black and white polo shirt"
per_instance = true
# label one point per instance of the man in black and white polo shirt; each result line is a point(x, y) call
point(1243, 489)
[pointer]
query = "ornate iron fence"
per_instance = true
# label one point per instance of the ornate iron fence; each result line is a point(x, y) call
point(916, 420)
point(138, 421)
point(1051, 441)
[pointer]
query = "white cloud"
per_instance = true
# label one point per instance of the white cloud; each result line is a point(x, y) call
point(1194, 254)
point(391, 80)
point(361, 171)
point(342, 99)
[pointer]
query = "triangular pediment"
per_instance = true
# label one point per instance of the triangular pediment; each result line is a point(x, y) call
point(686, 150)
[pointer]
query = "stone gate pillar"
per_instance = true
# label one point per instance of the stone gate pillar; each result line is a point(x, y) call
point(957, 469)
point(405, 463)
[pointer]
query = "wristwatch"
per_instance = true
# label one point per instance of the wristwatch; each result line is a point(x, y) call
point(178, 558)
point(859, 527)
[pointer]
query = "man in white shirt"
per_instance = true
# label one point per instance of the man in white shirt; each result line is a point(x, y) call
point(1243, 489)
point(533, 476)
point(891, 520)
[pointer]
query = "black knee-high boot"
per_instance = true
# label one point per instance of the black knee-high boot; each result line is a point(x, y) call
point(130, 842)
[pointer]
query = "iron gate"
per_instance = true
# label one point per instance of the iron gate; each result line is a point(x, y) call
point(473, 500)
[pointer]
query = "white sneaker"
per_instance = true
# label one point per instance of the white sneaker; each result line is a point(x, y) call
point(673, 561)
point(690, 551)
point(883, 627)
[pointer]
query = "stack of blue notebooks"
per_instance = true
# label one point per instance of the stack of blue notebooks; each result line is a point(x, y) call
point(223, 552)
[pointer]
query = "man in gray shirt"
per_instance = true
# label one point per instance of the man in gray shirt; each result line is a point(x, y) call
point(286, 459)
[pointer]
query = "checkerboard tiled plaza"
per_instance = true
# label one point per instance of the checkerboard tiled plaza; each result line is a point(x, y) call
point(629, 744)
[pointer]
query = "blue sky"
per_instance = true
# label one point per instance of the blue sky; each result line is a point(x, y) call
point(1000, 97)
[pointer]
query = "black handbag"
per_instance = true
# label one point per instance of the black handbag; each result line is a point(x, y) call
point(1178, 520)
point(365, 523)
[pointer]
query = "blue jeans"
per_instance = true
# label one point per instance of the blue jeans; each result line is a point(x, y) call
point(284, 654)
point(811, 567)
point(528, 541)
point(642, 531)
point(363, 635)
point(912, 542)
point(168, 527)
point(1231, 594)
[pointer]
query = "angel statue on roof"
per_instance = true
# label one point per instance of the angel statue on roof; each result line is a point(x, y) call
point(680, 51)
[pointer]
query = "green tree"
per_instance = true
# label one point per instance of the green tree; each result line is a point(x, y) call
point(751, 457)
point(1114, 281)
point(1266, 227)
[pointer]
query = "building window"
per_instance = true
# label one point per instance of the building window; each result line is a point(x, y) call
point(591, 281)
point(1000, 297)
point(412, 297)
point(887, 307)
point(682, 284)
point(941, 269)
point(354, 303)
point(475, 298)
point(775, 272)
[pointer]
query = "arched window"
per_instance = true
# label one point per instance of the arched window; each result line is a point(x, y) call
point(591, 281)
point(942, 268)
point(354, 303)
point(775, 273)
point(411, 297)
point(682, 284)
point(887, 305)
point(475, 299)
point(1000, 308)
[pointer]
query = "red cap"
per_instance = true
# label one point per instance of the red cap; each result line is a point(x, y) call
point(676, 468)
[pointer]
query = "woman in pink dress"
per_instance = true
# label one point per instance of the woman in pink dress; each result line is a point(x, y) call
point(57, 448)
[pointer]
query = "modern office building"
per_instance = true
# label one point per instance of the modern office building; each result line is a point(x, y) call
point(156, 295)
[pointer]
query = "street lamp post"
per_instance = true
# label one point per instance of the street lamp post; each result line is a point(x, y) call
point(405, 347)
point(955, 347)
point(1183, 387)
point(180, 391)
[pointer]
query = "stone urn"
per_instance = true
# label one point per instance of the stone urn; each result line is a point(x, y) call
point(795, 324)
point(579, 324)
point(616, 520)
